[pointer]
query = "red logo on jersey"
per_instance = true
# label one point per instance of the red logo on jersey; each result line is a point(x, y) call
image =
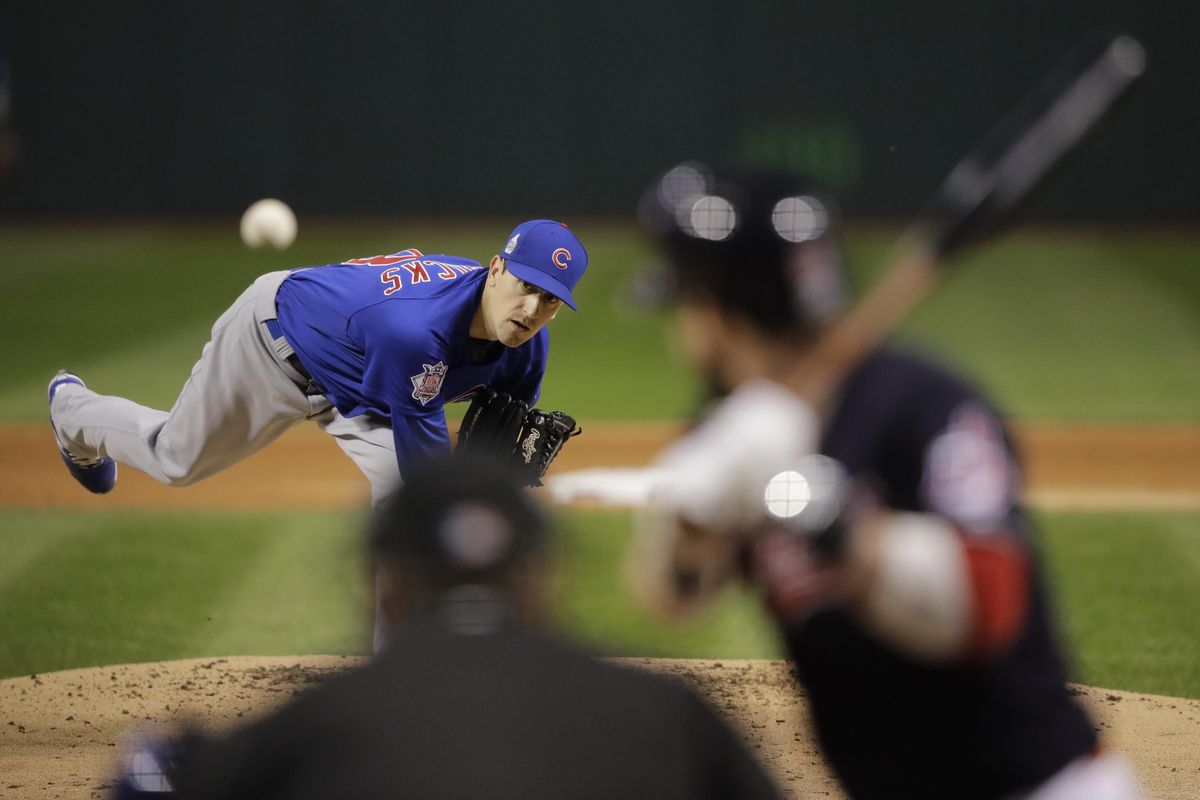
point(391, 277)
point(969, 476)
point(417, 271)
point(468, 394)
point(561, 257)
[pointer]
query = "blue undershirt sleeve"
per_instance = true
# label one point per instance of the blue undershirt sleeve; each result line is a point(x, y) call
point(528, 388)
point(525, 381)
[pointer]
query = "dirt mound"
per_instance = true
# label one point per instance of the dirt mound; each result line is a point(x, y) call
point(60, 732)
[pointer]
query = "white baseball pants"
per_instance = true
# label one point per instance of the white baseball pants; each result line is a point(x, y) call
point(1102, 776)
point(241, 396)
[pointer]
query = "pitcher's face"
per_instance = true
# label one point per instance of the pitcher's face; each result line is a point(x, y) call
point(515, 310)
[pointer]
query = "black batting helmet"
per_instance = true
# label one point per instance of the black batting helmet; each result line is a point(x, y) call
point(763, 244)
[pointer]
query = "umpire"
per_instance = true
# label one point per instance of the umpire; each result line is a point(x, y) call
point(905, 582)
point(472, 697)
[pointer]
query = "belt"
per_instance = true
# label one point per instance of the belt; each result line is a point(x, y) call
point(293, 360)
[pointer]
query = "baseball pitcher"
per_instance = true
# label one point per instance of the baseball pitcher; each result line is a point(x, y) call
point(371, 349)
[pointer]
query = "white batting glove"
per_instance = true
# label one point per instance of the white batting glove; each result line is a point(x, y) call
point(710, 486)
point(715, 476)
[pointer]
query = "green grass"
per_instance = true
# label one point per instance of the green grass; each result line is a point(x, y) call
point(1128, 585)
point(598, 610)
point(1081, 325)
point(79, 590)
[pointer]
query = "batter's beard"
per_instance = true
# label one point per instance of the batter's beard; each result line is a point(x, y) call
point(715, 388)
point(712, 392)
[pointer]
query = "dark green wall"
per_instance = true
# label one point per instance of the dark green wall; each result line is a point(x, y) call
point(369, 106)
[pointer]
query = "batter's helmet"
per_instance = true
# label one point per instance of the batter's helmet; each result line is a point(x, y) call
point(763, 244)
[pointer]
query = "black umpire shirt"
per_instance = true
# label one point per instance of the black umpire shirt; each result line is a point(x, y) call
point(893, 727)
point(506, 715)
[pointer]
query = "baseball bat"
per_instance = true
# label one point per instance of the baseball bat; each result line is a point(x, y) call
point(979, 198)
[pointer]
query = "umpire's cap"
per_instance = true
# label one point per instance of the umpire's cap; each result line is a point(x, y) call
point(761, 243)
point(461, 519)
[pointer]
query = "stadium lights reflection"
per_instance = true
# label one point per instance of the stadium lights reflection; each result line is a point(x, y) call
point(787, 494)
point(798, 219)
point(713, 218)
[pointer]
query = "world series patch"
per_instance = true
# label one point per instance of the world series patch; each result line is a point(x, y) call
point(428, 383)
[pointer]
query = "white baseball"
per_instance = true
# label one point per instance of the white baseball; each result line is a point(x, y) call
point(268, 223)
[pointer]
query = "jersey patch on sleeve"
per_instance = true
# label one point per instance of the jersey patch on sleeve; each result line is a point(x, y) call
point(428, 383)
point(969, 475)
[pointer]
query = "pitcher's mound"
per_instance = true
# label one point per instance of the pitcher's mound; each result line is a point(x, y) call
point(60, 732)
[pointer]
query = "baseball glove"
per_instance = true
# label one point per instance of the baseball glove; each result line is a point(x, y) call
point(500, 426)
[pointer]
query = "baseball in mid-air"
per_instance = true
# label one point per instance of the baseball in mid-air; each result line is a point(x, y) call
point(268, 223)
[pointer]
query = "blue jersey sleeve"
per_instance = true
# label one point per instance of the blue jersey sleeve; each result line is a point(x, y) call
point(419, 438)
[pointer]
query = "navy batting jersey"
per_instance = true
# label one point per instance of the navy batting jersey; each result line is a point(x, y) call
point(922, 440)
point(390, 336)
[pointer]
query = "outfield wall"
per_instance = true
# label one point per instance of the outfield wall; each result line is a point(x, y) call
point(135, 106)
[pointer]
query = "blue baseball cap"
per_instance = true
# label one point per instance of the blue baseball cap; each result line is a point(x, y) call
point(545, 253)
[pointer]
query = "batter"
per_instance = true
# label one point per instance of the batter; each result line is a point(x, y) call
point(909, 591)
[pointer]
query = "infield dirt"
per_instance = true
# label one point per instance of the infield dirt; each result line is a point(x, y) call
point(1086, 466)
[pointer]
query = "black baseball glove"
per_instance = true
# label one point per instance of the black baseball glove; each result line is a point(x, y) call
point(500, 426)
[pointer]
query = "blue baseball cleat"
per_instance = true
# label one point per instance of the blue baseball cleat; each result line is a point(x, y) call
point(97, 475)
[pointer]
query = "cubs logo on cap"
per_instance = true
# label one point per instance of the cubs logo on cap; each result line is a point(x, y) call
point(548, 255)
